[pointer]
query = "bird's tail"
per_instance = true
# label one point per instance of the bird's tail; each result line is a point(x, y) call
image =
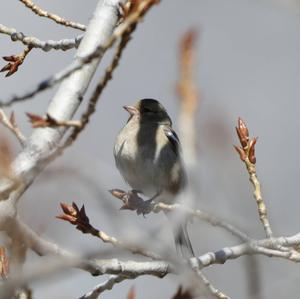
point(182, 240)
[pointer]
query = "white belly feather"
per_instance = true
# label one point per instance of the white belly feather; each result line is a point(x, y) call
point(139, 170)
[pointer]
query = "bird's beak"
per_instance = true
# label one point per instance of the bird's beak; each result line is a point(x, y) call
point(131, 110)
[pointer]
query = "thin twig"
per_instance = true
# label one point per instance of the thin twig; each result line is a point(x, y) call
point(59, 20)
point(33, 42)
point(11, 124)
point(213, 290)
point(104, 286)
point(132, 201)
point(262, 209)
point(247, 155)
point(78, 217)
point(38, 121)
point(14, 61)
point(209, 218)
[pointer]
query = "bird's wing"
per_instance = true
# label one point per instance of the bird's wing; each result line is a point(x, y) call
point(173, 138)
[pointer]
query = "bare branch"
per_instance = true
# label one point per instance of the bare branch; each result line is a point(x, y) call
point(104, 286)
point(262, 247)
point(78, 217)
point(247, 155)
point(33, 42)
point(59, 20)
point(15, 61)
point(218, 294)
point(132, 269)
point(48, 121)
point(11, 124)
point(133, 202)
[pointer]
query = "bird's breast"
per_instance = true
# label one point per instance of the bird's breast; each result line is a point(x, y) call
point(135, 159)
point(146, 160)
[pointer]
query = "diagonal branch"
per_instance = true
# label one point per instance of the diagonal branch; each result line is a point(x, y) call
point(218, 294)
point(104, 286)
point(59, 20)
point(11, 124)
point(78, 217)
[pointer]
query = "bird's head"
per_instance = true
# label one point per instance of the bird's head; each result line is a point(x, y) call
point(149, 110)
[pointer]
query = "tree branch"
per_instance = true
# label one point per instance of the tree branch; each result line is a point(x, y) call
point(11, 124)
point(33, 42)
point(132, 201)
point(247, 155)
point(262, 247)
point(104, 286)
point(78, 218)
point(59, 20)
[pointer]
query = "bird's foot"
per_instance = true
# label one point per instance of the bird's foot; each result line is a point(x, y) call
point(132, 201)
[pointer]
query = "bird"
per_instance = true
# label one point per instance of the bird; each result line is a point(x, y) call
point(147, 153)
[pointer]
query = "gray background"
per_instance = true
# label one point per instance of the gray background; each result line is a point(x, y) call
point(248, 66)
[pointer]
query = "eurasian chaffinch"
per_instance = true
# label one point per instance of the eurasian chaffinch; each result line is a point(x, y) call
point(148, 155)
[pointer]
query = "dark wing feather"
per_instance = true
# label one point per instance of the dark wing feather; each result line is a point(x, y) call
point(173, 138)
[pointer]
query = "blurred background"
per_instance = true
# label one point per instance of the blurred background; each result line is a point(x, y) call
point(248, 65)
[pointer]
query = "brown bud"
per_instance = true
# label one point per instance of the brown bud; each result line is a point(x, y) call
point(5, 68)
point(69, 209)
point(37, 121)
point(242, 132)
point(68, 218)
point(118, 193)
point(76, 217)
point(11, 58)
point(251, 154)
point(241, 152)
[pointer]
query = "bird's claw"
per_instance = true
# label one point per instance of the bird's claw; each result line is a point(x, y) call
point(132, 201)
